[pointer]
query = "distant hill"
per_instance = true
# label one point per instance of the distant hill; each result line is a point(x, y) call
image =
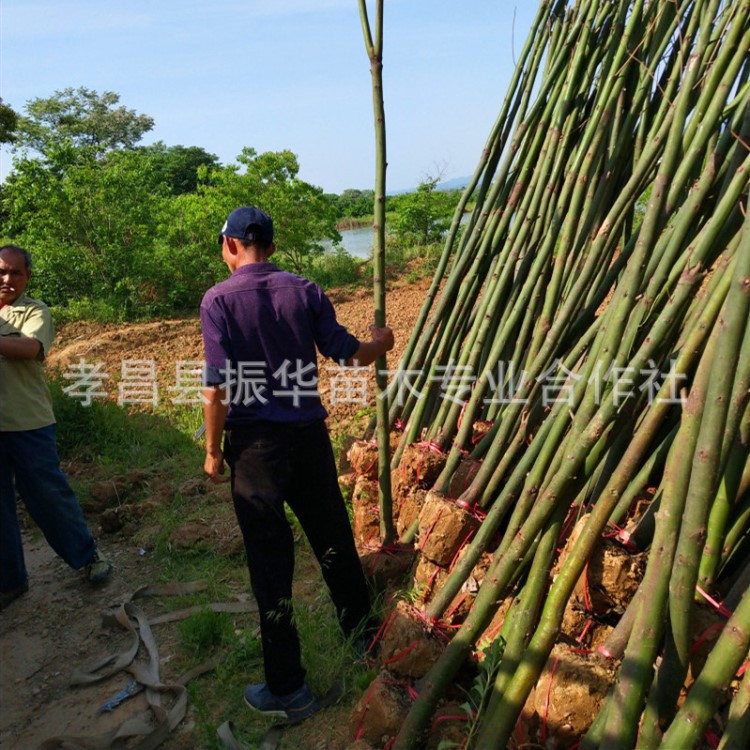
point(457, 183)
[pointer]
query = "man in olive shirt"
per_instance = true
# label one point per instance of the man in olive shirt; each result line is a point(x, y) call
point(29, 463)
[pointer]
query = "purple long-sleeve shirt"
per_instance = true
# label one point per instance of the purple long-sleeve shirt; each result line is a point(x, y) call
point(260, 331)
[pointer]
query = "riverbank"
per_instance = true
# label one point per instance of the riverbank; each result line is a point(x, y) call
point(354, 223)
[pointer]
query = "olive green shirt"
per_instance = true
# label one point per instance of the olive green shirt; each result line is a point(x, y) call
point(25, 401)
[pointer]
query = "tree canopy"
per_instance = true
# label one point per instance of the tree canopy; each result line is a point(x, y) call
point(8, 123)
point(422, 217)
point(355, 203)
point(82, 117)
point(177, 166)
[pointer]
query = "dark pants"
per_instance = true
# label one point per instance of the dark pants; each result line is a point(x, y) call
point(272, 464)
point(29, 465)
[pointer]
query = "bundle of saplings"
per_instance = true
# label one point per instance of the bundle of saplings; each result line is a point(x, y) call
point(570, 420)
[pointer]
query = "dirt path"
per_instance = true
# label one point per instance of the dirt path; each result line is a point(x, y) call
point(55, 629)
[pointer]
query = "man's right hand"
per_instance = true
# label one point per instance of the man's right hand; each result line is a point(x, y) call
point(215, 468)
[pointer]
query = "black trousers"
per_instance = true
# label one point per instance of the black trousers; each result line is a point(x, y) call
point(273, 463)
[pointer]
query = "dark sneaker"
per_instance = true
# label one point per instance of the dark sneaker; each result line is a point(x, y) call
point(297, 706)
point(99, 568)
point(6, 597)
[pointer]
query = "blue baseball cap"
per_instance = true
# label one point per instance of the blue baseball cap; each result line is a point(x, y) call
point(249, 224)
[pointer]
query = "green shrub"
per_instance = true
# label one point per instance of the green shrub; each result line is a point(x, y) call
point(84, 308)
point(335, 268)
point(85, 432)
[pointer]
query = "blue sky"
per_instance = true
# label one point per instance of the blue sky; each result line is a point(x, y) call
point(280, 74)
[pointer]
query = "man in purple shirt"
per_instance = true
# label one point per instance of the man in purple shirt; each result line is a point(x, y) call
point(261, 329)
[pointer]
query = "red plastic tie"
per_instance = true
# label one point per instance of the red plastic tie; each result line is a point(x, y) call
point(430, 445)
point(360, 727)
point(720, 608)
point(460, 601)
point(586, 600)
point(626, 540)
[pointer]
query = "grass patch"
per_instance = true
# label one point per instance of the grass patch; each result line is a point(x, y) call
point(120, 436)
point(404, 261)
point(202, 632)
point(336, 268)
point(217, 696)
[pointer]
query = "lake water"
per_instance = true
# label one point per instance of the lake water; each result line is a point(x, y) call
point(357, 242)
